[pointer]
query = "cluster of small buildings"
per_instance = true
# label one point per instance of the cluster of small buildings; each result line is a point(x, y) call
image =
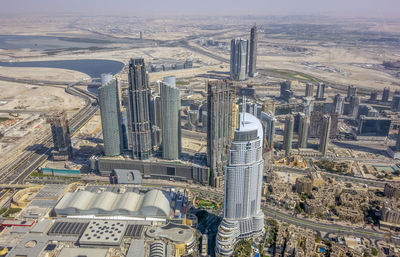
point(154, 67)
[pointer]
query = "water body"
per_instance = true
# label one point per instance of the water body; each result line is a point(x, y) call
point(92, 67)
point(13, 42)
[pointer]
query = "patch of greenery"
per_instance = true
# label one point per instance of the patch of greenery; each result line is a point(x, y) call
point(3, 119)
point(3, 210)
point(293, 75)
point(331, 166)
point(374, 251)
point(181, 83)
point(243, 248)
point(11, 211)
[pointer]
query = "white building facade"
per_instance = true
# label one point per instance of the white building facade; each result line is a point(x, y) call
point(243, 217)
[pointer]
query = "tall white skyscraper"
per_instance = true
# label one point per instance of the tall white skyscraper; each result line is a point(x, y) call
point(243, 217)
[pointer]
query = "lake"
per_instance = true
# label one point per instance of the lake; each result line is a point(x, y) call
point(92, 67)
point(13, 42)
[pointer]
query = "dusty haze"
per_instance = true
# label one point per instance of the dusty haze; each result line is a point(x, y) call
point(376, 8)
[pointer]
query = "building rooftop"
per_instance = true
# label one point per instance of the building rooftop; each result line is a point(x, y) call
point(176, 233)
point(87, 252)
point(104, 233)
point(152, 204)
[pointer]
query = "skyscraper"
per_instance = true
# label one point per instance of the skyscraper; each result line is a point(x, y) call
point(171, 127)
point(324, 140)
point(386, 94)
point(286, 92)
point(373, 96)
point(320, 91)
point(355, 102)
point(219, 122)
point(61, 135)
point(268, 120)
point(235, 117)
point(338, 104)
point(304, 125)
point(139, 109)
point(397, 146)
point(288, 134)
point(110, 112)
point(309, 90)
point(239, 59)
point(253, 51)
point(243, 217)
point(351, 92)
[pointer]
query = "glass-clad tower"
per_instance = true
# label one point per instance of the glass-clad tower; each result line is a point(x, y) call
point(243, 217)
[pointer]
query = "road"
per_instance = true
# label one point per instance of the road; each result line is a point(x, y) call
point(30, 160)
point(331, 228)
point(273, 213)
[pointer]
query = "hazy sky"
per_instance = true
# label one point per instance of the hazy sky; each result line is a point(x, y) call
point(377, 8)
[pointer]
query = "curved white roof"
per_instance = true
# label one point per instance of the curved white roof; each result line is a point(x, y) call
point(249, 122)
point(153, 203)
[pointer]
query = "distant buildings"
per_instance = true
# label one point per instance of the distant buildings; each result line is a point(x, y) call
point(351, 92)
point(320, 91)
point(373, 128)
point(373, 96)
point(111, 117)
point(139, 109)
point(219, 122)
point(309, 90)
point(239, 59)
point(338, 105)
point(315, 124)
point(324, 140)
point(171, 127)
point(395, 103)
point(61, 135)
point(288, 134)
point(304, 125)
point(286, 92)
point(253, 51)
point(355, 102)
point(386, 94)
point(268, 120)
point(243, 217)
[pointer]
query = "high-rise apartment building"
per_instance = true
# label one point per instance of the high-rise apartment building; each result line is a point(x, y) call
point(239, 59)
point(338, 104)
point(351, 92)
point(304, 125)
point(61, 135)
point(386, 94)
point(355, 102)
point(288, 134)
point(320, 91)
point(171, 127)
point(139, 109)
point(243, 217)
point(268, 120)
point(309, 90)
point(324, 140)
point(219, 122)
point(111, 119)
point(253, 51)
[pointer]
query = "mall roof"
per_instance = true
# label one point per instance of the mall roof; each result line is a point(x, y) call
point(154, 204)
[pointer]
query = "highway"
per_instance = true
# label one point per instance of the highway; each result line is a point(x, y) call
point(330, 228)
point(30, 160)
